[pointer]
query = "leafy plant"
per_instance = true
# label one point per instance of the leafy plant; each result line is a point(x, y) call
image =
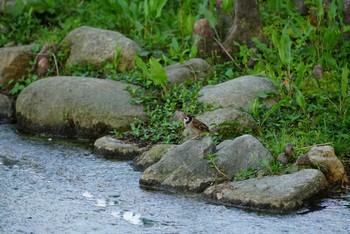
point(117, 57)
point(160, 108)
point(22, 83)
point(155, 73)
point(152, 11)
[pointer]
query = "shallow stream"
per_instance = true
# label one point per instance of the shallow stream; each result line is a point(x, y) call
point(47, 186)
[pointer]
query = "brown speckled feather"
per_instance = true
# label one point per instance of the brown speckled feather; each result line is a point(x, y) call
point(199, 125)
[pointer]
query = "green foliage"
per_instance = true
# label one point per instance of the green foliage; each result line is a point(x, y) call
point(155, 74)
point(267, 168)
point(160, 108)
point(23, 82)
point(308, 110)
point(39, 6)
point(227, 6)
point(117, 57)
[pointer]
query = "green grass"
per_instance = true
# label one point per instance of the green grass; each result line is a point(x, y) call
point(310, 111)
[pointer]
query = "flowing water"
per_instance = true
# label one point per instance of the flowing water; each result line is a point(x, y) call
point(47, 186)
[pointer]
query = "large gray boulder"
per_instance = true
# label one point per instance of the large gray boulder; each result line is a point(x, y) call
point(196, 164)
point(95, 46)
point(182, 169)
point(76, 107)
point(279, 193)
point(240, 154)
point(238, 93)
point(7, 110)
point(14, 62)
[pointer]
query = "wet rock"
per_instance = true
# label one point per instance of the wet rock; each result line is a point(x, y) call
point(183, 168)
point(111, 148)
point(76, 107)
point(14, 62)
point(96, 46)
point(192, 69)
point(238, 93)
point(228, 121)
point(187, 167)
point(7, 110)
point(151, 156)
point(324, 157)
point(279, 193)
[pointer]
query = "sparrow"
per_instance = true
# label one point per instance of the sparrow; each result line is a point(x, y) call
point(195, 126)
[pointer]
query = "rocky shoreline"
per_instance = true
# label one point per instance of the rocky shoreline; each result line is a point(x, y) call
point(89, 108)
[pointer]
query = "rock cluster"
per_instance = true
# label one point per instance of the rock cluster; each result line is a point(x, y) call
point(89, 108)
point(188, 166)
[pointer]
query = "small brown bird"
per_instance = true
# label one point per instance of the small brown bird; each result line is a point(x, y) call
point(195, 126)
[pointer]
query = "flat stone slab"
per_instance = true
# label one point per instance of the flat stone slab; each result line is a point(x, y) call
point(112, 148)
point(277, 193)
